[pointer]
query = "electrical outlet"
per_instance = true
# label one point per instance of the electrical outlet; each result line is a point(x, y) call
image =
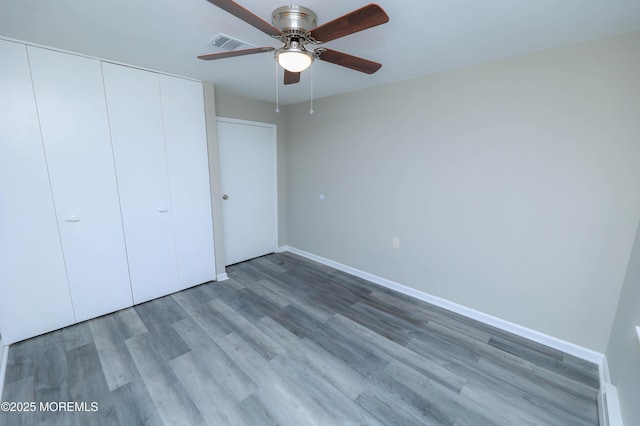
point(395, 243)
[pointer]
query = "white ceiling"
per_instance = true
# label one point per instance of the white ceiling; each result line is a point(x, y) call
point(422, 36)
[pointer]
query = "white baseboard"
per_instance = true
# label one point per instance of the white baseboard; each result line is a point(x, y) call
point(4, 355)
point(608, 399)
point(222, 277)
point(611, 406)
point(527, 333)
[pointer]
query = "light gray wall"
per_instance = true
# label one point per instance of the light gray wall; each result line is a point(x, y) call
point(623, 352)
point(264, 112)
point(514, 186)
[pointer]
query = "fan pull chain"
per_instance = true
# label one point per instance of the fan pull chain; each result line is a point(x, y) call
point(311, 109)
point(277, 98)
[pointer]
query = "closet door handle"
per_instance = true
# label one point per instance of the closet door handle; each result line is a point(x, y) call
point(72, 218)
point(162, 210)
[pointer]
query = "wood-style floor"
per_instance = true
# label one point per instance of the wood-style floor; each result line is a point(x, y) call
point(290, 342)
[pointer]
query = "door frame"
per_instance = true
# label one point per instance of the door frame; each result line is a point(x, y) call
point(274, 129)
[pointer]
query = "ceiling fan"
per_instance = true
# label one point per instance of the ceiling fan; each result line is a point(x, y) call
point(296, 27)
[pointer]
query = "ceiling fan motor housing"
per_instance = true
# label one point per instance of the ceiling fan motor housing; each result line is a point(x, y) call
point(294, 20)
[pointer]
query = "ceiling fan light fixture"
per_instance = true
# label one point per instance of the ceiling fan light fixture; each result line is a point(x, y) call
point(294, 60)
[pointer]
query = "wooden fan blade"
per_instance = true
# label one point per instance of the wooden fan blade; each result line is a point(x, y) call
point(349, 61)
point(291, 77)
point(235, 53)
point(240, 12)
point(358, 20)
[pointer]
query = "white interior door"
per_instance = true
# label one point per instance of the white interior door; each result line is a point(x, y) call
point(188, 163)
point(247, 155)
point(34, 295)
point(75, 133)
point(135, 118)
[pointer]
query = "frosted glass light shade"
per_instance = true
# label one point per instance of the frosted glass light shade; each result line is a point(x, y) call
point(294, 61)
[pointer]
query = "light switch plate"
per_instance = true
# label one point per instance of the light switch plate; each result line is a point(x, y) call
point(638, 332)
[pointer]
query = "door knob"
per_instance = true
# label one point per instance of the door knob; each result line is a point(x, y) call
point(225, 197)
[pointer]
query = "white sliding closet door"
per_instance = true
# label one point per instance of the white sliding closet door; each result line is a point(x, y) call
point(186, 143)
point(135, 117)
point(75, 132)
point(34, 295)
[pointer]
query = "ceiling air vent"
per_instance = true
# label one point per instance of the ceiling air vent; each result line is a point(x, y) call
point(226, 42)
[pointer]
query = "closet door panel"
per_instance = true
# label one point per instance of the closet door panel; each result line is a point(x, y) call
point(135, 119)
point(186, 144)
point(75, 132)
point(34, 294)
